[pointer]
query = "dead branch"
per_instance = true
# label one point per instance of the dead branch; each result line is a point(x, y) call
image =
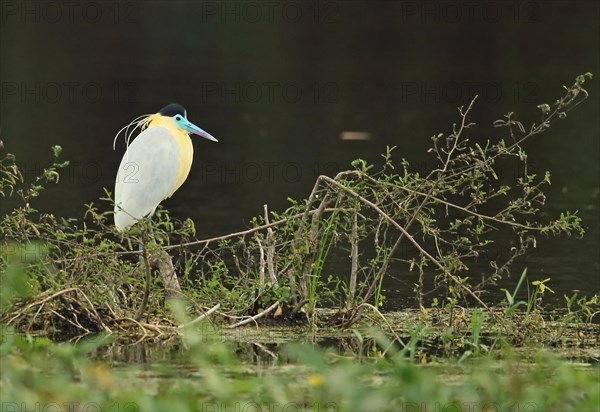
point(255, 317)
point(201, 317)
point(407, 235)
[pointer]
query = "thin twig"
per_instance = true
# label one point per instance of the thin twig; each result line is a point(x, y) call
point(354, 258)
point(264, 349)
point(270, 249)
point(255, 317)
point(40, 302)
point(407, 235)
point(201, 317)
point(261, 263)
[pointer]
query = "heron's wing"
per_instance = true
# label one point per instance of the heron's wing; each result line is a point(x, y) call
point(146, 176)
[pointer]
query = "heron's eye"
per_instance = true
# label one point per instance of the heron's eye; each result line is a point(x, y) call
point(178, 117)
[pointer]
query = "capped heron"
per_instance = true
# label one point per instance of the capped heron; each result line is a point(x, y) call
point(155, 165)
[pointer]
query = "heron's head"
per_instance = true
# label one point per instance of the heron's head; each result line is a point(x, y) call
point(179, 115)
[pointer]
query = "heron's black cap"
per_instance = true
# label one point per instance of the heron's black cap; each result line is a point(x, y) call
point(173, 109)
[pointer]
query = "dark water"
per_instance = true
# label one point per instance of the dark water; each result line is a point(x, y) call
point(277, 83)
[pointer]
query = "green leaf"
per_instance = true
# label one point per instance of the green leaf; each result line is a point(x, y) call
point(56, 149)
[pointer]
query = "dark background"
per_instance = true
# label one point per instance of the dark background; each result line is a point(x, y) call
point(277, 83)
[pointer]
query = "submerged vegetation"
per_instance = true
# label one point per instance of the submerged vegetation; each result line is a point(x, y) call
point(67, 277)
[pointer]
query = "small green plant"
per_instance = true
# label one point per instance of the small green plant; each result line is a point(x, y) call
point(513, 305)
point(477, 319)
point(533, 299)
point(538, 293)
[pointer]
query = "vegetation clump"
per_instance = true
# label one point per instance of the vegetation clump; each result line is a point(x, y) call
point(83, 276)
point(66, 277)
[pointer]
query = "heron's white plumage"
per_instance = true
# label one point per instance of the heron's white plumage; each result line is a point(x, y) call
point(152, 169)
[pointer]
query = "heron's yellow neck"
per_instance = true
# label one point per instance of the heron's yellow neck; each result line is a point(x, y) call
point(184, 143)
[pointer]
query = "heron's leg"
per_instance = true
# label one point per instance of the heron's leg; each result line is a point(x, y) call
point(167, 270)
point(163, 263)
point(146, 261)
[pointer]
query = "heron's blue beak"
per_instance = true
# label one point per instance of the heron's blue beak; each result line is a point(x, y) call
point(192, 128)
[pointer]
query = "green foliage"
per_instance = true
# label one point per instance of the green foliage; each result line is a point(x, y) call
point(511, 297)
point(389, 217)
point(312, 379)
point(82, 259)
point(80, 275)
